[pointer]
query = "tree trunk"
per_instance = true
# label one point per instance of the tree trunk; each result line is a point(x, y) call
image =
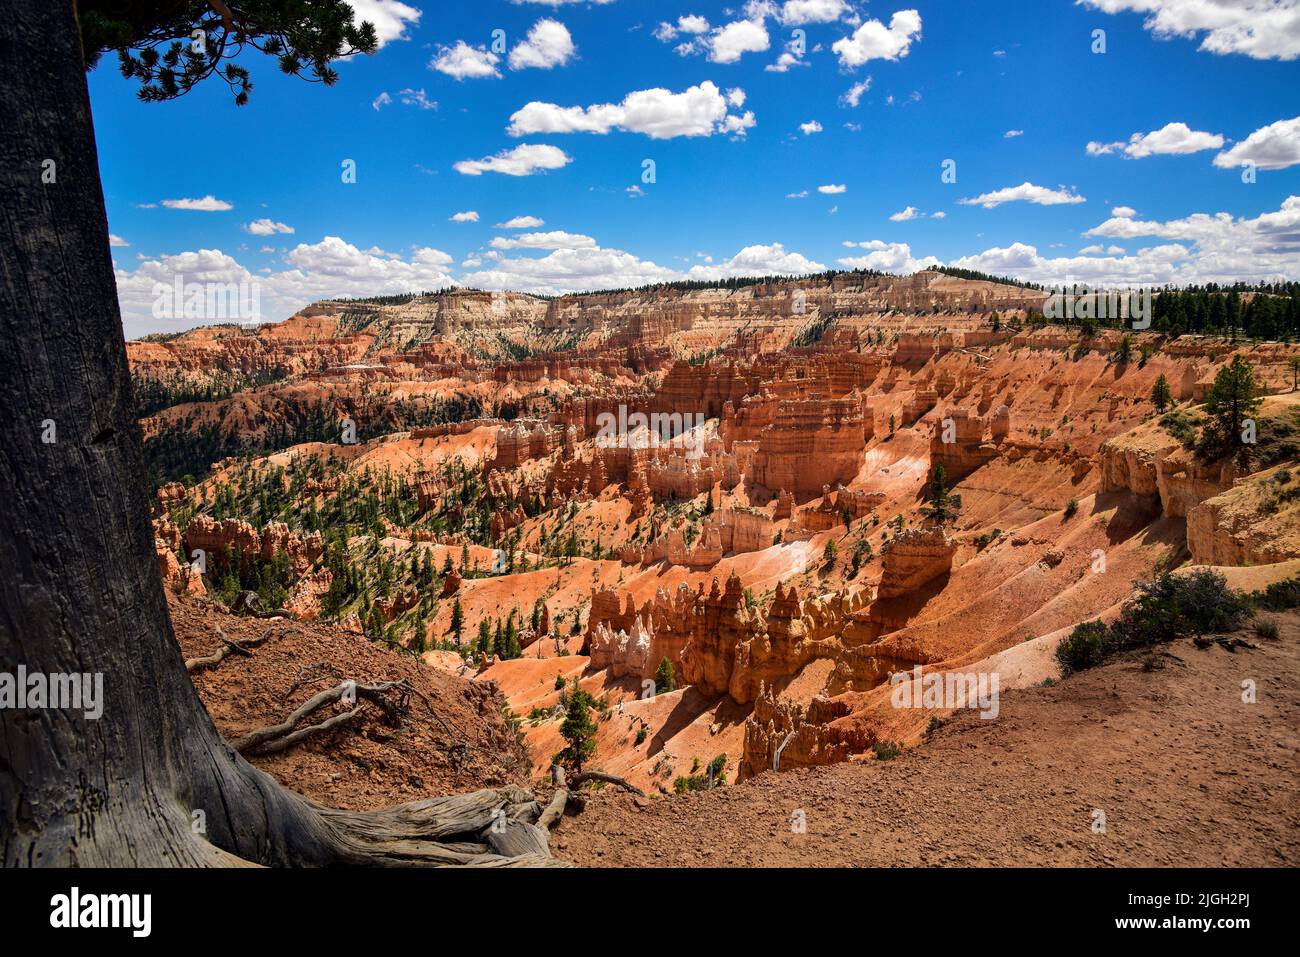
point(79, 590)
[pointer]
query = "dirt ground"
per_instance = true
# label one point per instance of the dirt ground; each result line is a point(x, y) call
point(452, 739)
point(1185, 773)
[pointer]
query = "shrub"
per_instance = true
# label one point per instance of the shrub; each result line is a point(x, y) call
point(1267, 630)
point(1182, 426)
point(713, 776)
point(1071, 508)
point(887, 750)
point(718, 770)
point(1087, 647)
point(1279, 596)
point(1171, 607)
point(1175, 606)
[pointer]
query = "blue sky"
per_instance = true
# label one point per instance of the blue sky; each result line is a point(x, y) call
point(739, 177)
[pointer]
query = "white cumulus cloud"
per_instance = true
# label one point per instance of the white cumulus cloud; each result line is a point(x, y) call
point(886, 257)
point(760, 260)
point(1198, 248)
point(1027, 193)
point(728, 44)
point(207, 204)
point(548, 44)
point(875, 41)
point(521, 222)
point(1172, 139)
point(796, 13)
point(570, 270)
point(659, 114)
point(523, 160)
point(465, 62)
point(1260, 29)
point(1275, 146)
point(390, 17)
point(266, 227)
point(328, 269)
point(556, 239)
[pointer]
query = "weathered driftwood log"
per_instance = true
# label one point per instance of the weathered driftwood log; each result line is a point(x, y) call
point(289, 740)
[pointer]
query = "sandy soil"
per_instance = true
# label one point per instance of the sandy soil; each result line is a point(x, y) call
point(368, 765)
point(1184, 771)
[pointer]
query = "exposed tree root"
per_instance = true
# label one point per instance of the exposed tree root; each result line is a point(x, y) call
point(229, 646)
point(566, 793)
point(289, 740)
point(583, 777)
point(490, 828)
point(559, 800)
point(278, 737)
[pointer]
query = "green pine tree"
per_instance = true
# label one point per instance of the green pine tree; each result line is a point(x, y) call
point(943, 505)
point(1161, 394)
point(457, 620)
point(578, 730)
point(665, 679)
point(1233, 398)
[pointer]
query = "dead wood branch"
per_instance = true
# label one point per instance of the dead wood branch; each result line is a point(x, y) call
point(229, 646)
point(277, 737)
point(454, 830)
point(248, 603)
point(289, 740)
point(555, 809)
point(583, 777)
